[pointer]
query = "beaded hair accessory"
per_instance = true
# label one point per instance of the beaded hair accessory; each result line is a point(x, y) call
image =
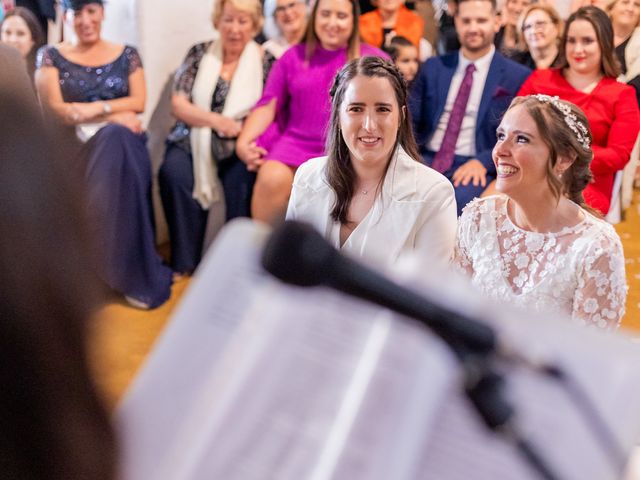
point(570, 118)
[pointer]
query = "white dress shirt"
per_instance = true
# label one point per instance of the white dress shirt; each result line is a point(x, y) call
point(415, 212)
point(466, 144)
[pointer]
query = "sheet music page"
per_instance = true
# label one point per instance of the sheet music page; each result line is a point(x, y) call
point(603, 366)
point(170, 382)
point(279, 382)
point(256, 380)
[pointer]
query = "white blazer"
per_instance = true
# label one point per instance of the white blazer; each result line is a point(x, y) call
point(415, 212)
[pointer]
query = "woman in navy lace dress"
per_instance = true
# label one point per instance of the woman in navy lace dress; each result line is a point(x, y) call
point(99, 88)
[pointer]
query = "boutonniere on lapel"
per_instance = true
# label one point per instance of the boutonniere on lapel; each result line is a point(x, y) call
point(501, 92)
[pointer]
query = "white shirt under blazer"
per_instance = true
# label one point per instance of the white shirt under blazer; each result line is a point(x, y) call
point(415, 212)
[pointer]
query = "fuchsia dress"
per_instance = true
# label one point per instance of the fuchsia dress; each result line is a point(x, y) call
point(303, 105)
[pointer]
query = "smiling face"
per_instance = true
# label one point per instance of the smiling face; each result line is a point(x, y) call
point(538, 30)
point(476, 25)
point(369, 120)
point(15, 32)
point(236, 28)
point(333, 23)
point(87, 22)
point(290, 15)
point(582, 48)
point(625, 13)
point(520, 155)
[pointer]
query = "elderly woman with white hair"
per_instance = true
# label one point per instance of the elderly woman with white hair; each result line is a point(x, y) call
point(214, 89)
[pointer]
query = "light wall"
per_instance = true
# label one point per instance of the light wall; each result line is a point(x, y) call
point(162, 31)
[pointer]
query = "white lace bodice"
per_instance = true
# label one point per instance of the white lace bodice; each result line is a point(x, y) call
point(578, 271)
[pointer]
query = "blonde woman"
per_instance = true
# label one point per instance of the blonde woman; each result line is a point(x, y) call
point(539, 31)
point(214, 89)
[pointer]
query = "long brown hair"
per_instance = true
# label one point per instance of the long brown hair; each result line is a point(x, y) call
point(562, 141)
point(311, 39)
point(37, 35)
point(609, 64)
point(340, 172)
point(52, 420)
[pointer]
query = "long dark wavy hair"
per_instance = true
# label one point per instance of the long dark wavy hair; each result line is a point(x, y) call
point(340, 172)
point(53, 422)
point(37, 35)
point(609, 64)
point(562, 141)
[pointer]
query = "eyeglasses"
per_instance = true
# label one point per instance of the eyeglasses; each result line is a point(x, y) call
point(537, 26)
point(284, 8)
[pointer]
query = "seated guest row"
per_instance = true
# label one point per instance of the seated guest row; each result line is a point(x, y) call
point(228, 127)
point(538, 245)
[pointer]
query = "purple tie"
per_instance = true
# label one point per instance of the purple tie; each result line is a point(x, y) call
point(444, 158)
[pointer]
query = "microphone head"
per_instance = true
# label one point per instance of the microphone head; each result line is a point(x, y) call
point(296, 253)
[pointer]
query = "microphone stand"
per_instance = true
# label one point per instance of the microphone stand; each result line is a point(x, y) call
point(296, 254)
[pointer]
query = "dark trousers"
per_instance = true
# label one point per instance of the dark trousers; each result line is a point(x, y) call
point(186, 219)
point(464, 193)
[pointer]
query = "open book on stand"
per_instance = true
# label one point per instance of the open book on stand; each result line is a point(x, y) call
point(256, 380)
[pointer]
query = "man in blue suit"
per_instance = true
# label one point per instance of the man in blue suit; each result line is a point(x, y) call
point(458, 99)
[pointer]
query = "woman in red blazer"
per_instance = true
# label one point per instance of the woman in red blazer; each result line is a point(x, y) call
point(587, 77)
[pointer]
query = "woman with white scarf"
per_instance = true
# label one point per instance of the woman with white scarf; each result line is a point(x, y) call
point(214, 89)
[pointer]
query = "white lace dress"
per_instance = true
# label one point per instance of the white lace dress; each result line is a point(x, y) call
point(578, 271)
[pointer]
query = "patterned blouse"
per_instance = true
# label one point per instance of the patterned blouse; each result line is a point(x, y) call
point(80, 83)
point(222, 148)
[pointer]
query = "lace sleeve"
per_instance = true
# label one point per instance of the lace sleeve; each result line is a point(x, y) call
point(468, 226)
point(185, 75)
point(133, 59)
point(46, 57)
point(602, 290)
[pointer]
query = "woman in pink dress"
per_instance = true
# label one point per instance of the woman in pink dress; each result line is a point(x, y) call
point(288, 125)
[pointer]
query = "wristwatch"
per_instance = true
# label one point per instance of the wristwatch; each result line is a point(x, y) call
point(106, 108)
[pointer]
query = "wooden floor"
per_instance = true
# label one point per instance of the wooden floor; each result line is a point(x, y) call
point(122, 336)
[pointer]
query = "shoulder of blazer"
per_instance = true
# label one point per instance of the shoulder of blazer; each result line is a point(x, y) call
point(311, 175)
point(411, 180)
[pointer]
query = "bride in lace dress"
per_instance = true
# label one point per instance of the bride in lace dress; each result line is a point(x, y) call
point(537, 245)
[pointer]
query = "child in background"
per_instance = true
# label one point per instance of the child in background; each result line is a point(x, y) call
point(405, 55)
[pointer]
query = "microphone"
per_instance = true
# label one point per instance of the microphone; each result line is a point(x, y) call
point(297, 254)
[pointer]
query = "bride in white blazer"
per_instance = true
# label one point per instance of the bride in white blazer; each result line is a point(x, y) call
point(370, 196)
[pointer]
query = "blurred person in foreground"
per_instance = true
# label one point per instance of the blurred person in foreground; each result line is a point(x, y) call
point(54, 426)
